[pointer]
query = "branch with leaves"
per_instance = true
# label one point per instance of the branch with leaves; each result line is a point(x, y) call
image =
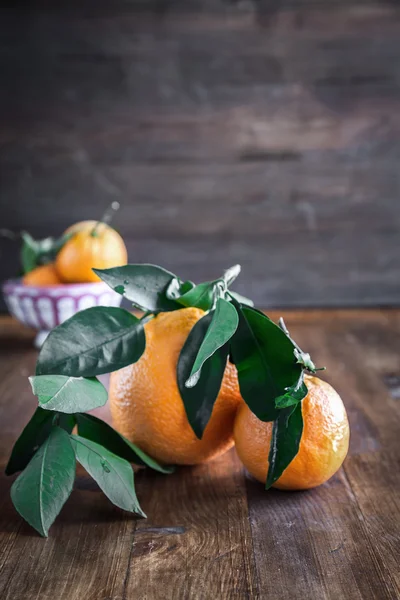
point(99, 340)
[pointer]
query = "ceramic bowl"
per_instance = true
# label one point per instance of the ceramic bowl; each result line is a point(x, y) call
point(45, 307)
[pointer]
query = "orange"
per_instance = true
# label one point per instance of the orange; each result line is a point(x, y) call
point(42, 276)
point(147, 407)
point(86, 249)
point(323, 446)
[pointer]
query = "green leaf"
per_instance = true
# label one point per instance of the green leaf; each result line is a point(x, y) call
point(265, 362)
point(33, 436)
point(68, 394)
point(39, 252)
point(223, 325)
point(96, 430)
point(201, 296)
point(43, 487)
point(199, 400)
point(205, 294)
point(285, 442)
point(94, 341)
point(29, 252)
point(240, 299)
point(144, 285)
point(113, 474)
point(293, 394)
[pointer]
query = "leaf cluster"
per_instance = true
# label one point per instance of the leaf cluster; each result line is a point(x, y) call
point(99, 340)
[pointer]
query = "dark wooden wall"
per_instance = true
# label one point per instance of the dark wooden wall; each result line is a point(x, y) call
point(265, 133)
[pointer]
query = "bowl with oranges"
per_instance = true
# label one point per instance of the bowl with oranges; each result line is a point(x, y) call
point(58, 279)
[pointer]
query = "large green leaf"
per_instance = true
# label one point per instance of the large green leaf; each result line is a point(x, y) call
point(285, 442)
point(32, 436)
point(199, 400)
point(43, 487)
point(113, 474)
point(68, 394)
point(144, 285)
point(265, 361)
point(94, 341)
point(96, 430)
point(223, 325)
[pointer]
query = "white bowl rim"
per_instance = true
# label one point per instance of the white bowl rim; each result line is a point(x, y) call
point(15, 284)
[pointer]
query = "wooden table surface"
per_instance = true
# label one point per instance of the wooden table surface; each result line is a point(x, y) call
point(212, 532)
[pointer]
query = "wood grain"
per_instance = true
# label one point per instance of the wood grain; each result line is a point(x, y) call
point(260, 133)
point(323, 539)
point(212, 531)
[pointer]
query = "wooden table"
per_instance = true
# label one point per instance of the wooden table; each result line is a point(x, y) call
point(212, 532)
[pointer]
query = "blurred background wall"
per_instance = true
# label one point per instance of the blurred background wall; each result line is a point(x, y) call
point(263, 133)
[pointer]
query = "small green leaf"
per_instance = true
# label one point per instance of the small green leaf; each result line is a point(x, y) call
point(43, 487)
point(31, 438)
point(293, 394)
point(29, 252)
point(39, 252)
point(96, 430)
point(199, 400)
point(265, 362)
point(94, 341)
point(201, 296)
point(223, 325)
point(144, 285)
point(68, 394)
point(285, 442)
point(113, 474)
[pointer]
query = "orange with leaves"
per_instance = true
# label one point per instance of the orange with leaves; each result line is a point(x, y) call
point(323, 446)
point(147, 407)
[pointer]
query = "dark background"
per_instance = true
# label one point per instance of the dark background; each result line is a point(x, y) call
point(264, 133)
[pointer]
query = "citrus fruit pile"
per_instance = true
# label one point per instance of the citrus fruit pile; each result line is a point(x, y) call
point(71, 259)
point(201, 370)
point(147, 408)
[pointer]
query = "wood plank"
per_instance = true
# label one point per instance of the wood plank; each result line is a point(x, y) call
point(207, 552)
point(313, 544)
point(350, 521)
point(203, 538)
